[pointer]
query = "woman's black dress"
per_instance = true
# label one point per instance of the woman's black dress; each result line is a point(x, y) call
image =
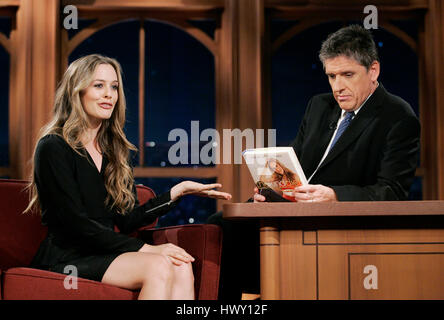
point(80, 227)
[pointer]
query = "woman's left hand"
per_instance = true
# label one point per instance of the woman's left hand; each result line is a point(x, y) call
point(198, 189)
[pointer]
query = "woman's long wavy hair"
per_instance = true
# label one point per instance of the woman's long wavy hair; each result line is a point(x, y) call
point(70, 122)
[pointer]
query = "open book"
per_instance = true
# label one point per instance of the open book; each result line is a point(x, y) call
point(275, 171)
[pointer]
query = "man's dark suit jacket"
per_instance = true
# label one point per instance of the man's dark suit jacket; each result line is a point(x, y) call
point(376, 156)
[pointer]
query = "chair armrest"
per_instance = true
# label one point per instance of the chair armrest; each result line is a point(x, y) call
point(204, 243)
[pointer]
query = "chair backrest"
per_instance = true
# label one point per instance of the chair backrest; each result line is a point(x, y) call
point(143, 195)
point(21, 234)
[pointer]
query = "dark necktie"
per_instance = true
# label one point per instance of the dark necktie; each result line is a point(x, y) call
point(342, 126)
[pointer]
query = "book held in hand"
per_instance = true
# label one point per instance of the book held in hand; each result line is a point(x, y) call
point(276, 172)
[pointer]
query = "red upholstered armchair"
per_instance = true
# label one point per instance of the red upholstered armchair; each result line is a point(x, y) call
point(21, 234)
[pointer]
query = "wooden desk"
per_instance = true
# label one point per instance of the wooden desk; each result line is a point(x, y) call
point(349, 250)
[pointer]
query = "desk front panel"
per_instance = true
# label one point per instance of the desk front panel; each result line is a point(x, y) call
point(361, 264)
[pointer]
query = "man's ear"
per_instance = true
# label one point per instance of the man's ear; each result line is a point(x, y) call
point(374, 70)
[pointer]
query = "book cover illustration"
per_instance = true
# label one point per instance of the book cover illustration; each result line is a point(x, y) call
point(277, 170)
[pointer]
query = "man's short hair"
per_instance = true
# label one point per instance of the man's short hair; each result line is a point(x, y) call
point(353, 42)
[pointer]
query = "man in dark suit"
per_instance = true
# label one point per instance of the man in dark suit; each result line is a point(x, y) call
point(358, 143)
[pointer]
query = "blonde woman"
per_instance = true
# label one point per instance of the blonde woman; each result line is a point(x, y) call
point(84, 186)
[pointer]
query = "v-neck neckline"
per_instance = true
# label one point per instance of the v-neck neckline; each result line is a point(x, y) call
point(93, 163)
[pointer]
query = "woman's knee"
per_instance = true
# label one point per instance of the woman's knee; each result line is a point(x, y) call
point(158, 267)
point(184, 273)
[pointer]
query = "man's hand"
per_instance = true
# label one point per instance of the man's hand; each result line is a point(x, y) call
point(258, 197)
point(314, 193)
point(307, 193)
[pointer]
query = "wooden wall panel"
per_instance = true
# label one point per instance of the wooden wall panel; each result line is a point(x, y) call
point(141, 4)
point(45, 42)
point(226, 91)
point(431, 82)
point(33, 78)
point(20, 88)
point(435, 22)
point(250, 46)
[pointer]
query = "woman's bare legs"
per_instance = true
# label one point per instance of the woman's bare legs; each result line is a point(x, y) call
point(154, 274)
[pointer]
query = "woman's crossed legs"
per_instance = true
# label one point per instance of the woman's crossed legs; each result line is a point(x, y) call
point(154, 274)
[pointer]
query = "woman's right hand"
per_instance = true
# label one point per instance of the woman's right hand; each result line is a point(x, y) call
point(258, 197)
point(175, 254)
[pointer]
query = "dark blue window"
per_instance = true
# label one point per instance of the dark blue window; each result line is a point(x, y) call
point(296, 76)
point(180, 89)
